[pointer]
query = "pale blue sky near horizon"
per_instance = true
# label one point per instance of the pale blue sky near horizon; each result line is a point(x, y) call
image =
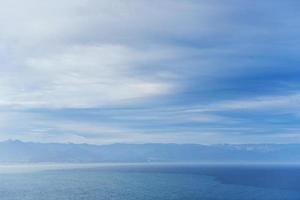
point(137, 71)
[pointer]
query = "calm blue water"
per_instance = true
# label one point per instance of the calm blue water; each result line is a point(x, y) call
point(151, 182)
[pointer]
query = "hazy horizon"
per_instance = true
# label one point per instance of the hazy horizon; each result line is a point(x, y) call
point(160, 143)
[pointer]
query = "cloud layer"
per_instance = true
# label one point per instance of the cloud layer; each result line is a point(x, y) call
point(149, 71)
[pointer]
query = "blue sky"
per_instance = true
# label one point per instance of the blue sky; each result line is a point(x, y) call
point(135, 71)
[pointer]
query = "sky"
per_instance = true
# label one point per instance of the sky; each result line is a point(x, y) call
point(160, 71)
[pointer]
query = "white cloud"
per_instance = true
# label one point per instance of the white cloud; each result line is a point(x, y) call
point(286, 103)
point(83, 53)
point(81, 76)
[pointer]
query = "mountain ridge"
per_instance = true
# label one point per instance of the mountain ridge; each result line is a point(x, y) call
point(17, 151)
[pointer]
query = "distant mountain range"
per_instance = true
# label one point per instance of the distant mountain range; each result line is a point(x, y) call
point(28, 152)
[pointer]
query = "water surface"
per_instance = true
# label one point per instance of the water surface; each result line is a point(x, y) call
point(149, 182)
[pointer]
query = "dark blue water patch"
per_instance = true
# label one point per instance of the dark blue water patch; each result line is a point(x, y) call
point(277, 177)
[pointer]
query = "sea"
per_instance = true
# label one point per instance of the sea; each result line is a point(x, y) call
point(156, 181)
